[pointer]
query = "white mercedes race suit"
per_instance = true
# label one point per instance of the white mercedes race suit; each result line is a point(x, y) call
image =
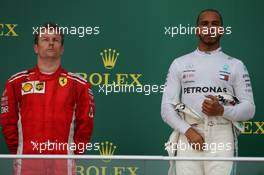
point(189, 79)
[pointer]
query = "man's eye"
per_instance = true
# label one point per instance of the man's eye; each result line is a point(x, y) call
point(216, 23)
point(44, 39)
point(204, 23)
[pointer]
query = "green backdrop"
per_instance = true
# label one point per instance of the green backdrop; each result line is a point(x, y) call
point(132, 121)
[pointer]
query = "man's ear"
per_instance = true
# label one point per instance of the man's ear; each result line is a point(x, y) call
point(36, 48)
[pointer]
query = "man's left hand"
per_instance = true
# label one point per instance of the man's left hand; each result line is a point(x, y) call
point(212, 107)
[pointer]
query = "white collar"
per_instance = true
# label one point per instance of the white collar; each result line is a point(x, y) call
point(213, 52)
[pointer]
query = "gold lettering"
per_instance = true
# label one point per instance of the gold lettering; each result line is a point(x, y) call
point(2, 26)
point(11, 31)
point(106, 76)
point(104, 170)
point(135, 78)
point(260, 129)
point(96, 170)
point(132, 170)
point(121, 79)
point(248, 128)
point(91, 79)
point(80, 170)
point(106, 79)
point(119, 170)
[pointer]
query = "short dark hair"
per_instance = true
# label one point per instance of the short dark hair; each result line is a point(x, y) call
point(209, 10)
point(49, 25)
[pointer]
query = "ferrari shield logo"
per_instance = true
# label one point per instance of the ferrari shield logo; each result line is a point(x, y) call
point(63, 81)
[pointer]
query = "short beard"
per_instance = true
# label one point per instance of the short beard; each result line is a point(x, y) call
point(209, 44)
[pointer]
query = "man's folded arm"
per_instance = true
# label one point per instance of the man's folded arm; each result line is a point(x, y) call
point(245, 110)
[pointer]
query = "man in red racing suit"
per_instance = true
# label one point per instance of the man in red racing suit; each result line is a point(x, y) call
point(46, 113)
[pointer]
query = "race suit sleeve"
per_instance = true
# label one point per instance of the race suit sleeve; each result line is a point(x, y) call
point(171, 96)
point(245, 110)
point(9, 117)
point(85, 111)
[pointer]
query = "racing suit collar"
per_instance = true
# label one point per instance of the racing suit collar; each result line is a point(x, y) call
point(44, 76)
point(216, 51)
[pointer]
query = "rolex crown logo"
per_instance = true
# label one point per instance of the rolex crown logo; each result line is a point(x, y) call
point(109, 58)
point(107, 149)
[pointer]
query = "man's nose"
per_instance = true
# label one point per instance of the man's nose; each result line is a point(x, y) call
point(209, 25)
point(51, 42)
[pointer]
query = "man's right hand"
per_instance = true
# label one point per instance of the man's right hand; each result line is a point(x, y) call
point(194, 137)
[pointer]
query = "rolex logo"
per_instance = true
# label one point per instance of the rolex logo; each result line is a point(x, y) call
point(107, 149)
point(109, 58)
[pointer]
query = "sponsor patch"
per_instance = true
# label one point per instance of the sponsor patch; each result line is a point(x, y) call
point(224, 77)
point(224, 73)
point(4, 109)
point(39, 87)
point(33, 87)
point(204, 89)
point(27, 87)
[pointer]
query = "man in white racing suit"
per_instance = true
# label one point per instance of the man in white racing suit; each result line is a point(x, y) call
point(194, 79)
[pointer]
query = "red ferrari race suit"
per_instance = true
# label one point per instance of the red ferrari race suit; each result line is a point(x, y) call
point(46, 114)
